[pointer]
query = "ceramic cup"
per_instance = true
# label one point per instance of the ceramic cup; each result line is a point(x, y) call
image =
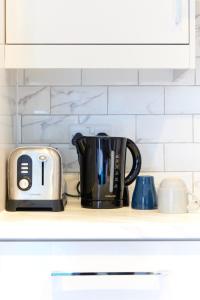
point(144, 195)
point(172, 196)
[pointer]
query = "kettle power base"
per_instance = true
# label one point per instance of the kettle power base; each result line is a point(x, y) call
point(102, 204)
point(37, 205)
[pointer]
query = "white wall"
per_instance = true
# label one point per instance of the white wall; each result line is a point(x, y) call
point(158, 109)
point(7, 125)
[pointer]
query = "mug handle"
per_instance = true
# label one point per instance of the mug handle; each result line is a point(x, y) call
point(137, 162)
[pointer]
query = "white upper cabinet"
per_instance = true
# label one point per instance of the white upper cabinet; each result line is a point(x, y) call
point(2, 31)
point(97, 22)
point(100, 33)
point(2, 22)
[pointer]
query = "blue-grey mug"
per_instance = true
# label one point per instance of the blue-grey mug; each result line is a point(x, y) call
point(144, 195)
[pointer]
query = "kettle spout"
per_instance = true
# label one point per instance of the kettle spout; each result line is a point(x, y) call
point(78, 142)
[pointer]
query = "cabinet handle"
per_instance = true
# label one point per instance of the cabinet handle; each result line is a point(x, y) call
point(178, 12)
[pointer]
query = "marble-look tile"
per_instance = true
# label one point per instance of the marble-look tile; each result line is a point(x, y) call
point(117, 125)
point(182, 100)
point(69, 157)
point(182, 157)
point(136, 100)
point(33, 100)
point(152, 157)
point(8, 100)
point(6, 129)
point(52, 77)
point(109, 77)
point(79, 100)
point(164, 129)
point(18, 128)
point(196, 184)
point(198, 71)
point(166, 77)
point(197, 129)
point(47, 129)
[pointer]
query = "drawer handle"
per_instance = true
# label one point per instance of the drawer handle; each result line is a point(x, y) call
point(178, 12)
point(63, 274)
point(91, 281)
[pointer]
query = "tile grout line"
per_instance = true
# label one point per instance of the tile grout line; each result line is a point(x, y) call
point(136, 129)
point(81, 77)
point(50, 100)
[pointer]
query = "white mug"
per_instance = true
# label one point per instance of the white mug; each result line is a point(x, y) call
point(172, 196)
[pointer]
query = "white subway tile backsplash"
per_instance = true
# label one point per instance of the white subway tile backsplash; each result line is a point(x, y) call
point(196, 183)
point(34, 100)
point(47, 129)
point(18, 130)
point(182, 157)
point(182, 100)
point(159, 109)
point(121, 125)
point(69, 157)
point(52, 77)
point(79, 100)
point(7, 100)
point(166, 77)
point(197, 129)
point(198, 70)
point(152, 157)
point(164, 129)
point(136, 100)
point(109, 77)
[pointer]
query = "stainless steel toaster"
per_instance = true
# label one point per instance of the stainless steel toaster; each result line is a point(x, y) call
point(35, 179)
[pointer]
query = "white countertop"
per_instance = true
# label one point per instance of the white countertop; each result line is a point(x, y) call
point(77, 223)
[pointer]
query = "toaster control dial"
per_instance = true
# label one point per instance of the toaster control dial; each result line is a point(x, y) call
point(24, 184)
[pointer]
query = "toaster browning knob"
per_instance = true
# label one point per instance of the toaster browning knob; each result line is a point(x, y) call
point(24, 184)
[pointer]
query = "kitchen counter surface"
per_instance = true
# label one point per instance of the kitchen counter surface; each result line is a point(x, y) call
point(76, 223)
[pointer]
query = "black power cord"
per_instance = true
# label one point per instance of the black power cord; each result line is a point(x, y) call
point(78, 191)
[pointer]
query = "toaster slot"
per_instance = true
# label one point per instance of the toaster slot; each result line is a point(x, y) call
point(43, 173)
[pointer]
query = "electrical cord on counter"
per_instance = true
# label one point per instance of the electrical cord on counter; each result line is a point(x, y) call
point(78, 191)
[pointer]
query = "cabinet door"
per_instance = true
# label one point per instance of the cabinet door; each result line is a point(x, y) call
point(97, 21)
point(2, 22)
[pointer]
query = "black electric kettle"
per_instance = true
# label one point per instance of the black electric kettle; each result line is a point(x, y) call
point(102, 162)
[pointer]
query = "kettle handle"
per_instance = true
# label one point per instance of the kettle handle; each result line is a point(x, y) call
point(137, 162)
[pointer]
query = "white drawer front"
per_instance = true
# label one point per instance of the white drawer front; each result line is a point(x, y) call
point(100, 270)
